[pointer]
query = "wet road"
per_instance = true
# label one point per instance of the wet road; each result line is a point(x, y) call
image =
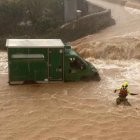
point(127, 21)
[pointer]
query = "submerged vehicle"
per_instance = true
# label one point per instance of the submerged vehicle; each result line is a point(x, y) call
point(43, 60)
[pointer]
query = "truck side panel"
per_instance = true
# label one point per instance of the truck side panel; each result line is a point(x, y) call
point(38, 67)
point(28, 64)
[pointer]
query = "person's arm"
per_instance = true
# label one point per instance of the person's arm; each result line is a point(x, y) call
point(117, 89)
point(128, 92)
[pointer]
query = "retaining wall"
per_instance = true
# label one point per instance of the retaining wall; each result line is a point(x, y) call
point(97, 19)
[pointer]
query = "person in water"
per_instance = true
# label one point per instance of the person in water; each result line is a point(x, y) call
point(123, 92)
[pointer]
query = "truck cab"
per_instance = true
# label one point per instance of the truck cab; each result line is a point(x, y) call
point(76, 68)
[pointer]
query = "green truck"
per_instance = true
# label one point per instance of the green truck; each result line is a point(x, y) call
point(43, 60)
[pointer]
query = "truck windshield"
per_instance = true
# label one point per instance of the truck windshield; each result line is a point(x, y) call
point(76, 63)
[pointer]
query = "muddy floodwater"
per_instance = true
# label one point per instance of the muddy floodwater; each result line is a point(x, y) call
point(75, 110)
point(80, 110)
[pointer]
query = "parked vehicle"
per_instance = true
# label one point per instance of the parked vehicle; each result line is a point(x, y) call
point(43, 60)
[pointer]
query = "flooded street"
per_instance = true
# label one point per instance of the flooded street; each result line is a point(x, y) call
point(80, 110)
point(127, 20)
point(76, 110)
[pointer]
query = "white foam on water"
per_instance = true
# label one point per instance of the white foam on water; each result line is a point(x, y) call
point(132, 72)
point(134, 35)
point(132, 11)
point(3, 63)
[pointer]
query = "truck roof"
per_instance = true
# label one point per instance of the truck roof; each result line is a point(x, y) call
point(34, 43)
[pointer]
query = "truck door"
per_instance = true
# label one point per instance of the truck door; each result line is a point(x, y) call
point(77, 68)
point(37, 62)
point(56, 64)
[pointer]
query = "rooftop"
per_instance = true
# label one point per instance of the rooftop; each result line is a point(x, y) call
point(34, 43)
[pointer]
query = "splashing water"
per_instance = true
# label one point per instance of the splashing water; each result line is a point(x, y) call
point(117, 48)
point(132, 11)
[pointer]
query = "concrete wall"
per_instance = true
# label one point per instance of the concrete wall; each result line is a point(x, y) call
point(70, 7)
point(88, 24)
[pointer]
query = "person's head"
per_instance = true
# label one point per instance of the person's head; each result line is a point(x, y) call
point(125, 84)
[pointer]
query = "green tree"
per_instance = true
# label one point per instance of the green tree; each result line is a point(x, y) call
point(11, 13)
point(45, 14)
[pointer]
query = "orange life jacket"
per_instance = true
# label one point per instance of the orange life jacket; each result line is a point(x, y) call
point(123, 91)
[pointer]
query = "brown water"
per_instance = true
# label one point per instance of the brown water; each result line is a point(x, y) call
point(78, 110)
